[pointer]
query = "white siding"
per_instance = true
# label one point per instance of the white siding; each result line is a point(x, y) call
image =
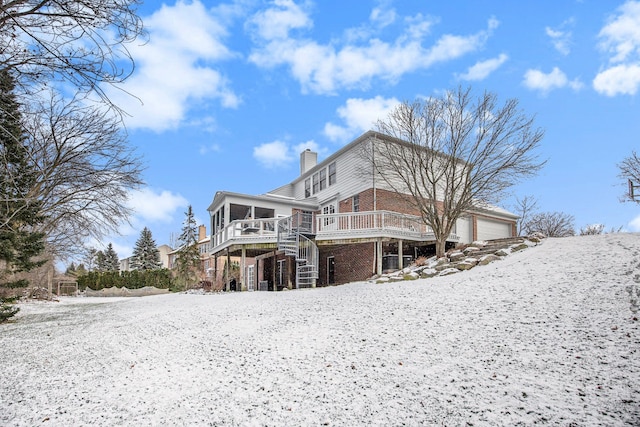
point(490, 229)
point(349, 178)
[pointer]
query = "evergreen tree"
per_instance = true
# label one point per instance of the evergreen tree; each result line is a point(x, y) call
point(111, 261)
point(20, 243)
point(188, 262)
point(146, 255)
point(71, 270)
point(101, 261)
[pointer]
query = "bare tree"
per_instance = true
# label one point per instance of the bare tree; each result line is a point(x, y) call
point(451, 154)
point(630, 172)
point(525, 208)
point(83, 42)
point(85, 170)
point(592, 230)
point(551, 224)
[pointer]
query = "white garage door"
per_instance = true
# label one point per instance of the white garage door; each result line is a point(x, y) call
point(489, 229)
point(464, 229)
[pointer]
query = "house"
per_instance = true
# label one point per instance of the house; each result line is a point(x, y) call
point(164, 252)
point(212, 270)
point(333, 224)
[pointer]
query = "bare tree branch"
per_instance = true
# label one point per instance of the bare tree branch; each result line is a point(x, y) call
point(83, 42)
point(551, 224)
point(630, 171)
point(452, 154)
point(85, 170)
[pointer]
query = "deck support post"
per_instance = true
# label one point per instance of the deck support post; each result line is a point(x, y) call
point(400, 266)
point(227, 272)
point(379, 257)
point(243, 266)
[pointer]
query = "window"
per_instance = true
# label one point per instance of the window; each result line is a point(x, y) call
point(315, 183)
point(323, 179)
point(356, 203)
point(328, 210)
point(332, 173)
point(307, 187)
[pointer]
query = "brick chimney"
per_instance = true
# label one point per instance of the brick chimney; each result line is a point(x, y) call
point(202, 232)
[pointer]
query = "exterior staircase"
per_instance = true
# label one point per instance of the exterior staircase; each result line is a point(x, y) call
point(293, 241)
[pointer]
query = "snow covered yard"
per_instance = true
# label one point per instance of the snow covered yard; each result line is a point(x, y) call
point(547, 336)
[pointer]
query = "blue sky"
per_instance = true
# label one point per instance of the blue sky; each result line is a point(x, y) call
point(229, 93)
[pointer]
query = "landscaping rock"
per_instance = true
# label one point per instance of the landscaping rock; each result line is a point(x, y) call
point(464, 265)
point(428, 272)
point(503, 252)
point(489, 258)
point(519, 247)
point(448, 271)
point(456, 256)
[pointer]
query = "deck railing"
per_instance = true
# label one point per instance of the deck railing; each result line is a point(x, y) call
point(329, 226)
point(371, 221)
point(247, 230)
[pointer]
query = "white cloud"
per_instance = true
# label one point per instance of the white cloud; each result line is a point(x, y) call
point(556, 79)
point(273, 154)
point(482, 69)
point(175, 67)
point(359, 115)
point(150, 206)
point(620, 38)
point(326, 68)
point(280, 153)
point(561, 37)
point(278, 21)
point(634, 224)
point(205, 149)
point(621, 79)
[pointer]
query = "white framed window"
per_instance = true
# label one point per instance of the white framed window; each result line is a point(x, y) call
point(307, 187)
point(355, 203)
point(332, 174)
point(322, 179)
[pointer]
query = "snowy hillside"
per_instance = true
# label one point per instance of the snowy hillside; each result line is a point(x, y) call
point(547, 335)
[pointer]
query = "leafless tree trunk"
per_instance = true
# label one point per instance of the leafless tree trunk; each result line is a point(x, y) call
point(452, 154)
point(630, 171)
point(525, 208)
point(85, 170)
point(83, 42)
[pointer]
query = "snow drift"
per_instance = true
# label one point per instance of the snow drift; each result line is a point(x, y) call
point(548, 335)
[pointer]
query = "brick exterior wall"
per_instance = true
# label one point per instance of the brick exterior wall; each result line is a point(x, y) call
point(353, 262)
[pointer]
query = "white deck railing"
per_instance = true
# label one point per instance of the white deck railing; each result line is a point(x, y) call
point(330, 226)
point(245, 231)
point(371, 223)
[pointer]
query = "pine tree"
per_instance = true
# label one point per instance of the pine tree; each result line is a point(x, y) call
point(111, 261)
point(101, 261)
point(146, 255)
point(20, 243)
point(188, 253)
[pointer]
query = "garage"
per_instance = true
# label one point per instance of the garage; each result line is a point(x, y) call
point(489, 229)
point(464, 229)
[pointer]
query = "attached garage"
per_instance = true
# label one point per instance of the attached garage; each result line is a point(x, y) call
point(492, 229)
point(464, 229)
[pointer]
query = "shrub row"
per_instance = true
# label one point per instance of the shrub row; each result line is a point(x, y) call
point(161, 279)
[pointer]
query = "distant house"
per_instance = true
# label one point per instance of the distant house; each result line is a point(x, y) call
point(331, 225)
point(165, 250)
